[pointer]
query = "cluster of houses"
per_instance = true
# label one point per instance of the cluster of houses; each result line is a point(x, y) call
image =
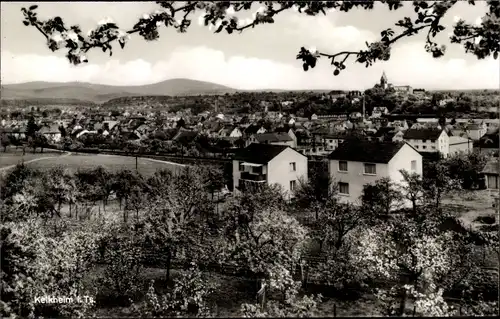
point(274, 148)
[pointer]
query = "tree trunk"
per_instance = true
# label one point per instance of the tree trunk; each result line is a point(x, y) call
point(402, 305)
point(70, 209)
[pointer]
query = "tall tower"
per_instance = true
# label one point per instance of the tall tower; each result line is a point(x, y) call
point(384, 83)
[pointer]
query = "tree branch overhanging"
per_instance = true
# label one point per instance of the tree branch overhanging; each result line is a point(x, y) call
point(481, 40)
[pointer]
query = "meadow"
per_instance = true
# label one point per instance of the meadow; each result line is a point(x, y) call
point(73, 162)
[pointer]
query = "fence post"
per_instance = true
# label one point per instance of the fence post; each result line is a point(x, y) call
point(414, 310)
point(335, 310)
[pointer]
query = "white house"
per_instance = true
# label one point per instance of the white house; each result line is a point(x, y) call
point(357, 163)
point(52, 133)
point(269, 164)
point(379, 111)
point(332, 141)
point(428, 140)
point(471, 130)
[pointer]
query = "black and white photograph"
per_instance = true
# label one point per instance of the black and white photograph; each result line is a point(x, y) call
point(236, 159)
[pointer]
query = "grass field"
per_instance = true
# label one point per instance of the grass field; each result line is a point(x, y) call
point(14, 157)
point(79, 161)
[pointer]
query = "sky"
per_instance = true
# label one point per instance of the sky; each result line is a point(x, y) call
point(258, 58)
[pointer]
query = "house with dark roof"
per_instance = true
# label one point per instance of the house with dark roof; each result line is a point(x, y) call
point(288, 130)
point(428, 140)
point(185, 137)
point(269, 164)
point(51, 132)
point(491, 172)
point(356, 163)
point(273, 138)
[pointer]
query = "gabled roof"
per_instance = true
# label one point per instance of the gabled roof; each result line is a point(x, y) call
point(185, 136)
point(366, 151)
point(273, 137)
point(252, 129)
point(259, 153)
point(422, 134)
point(491, 167)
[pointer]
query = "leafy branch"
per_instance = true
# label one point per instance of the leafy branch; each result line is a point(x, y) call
point(481, 40)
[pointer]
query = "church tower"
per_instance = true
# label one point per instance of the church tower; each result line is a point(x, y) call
point(384, 83)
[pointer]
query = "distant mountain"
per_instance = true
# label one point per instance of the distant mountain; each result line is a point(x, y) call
point(101, 93)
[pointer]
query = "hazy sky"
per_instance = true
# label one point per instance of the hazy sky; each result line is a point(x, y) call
point(263, 57)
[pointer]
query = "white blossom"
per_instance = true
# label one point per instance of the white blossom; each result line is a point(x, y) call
point(456, 19)
point(57, 37)
point(72, 36)
point(230, 10)
point(312, 49)
point(201, 19)
point(295, 8)
point(478, 21)
point(159, 23)
point(477, 39)
point(145, 16)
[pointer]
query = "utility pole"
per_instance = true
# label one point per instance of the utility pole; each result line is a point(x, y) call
point(363, 107)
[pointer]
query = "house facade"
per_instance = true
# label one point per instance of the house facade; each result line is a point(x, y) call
point(428, 140)
point(355, 164)
point(491, 172)
point(269, 164)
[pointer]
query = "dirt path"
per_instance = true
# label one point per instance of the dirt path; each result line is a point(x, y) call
point(34, 160)
point(149, 159)
point(160, 161)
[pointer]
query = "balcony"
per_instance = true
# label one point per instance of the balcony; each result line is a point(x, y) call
point(253, 177)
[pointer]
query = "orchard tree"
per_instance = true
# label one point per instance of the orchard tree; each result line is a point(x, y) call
point(381, 197)
point(265, 242)
point(188, 297)
point(316, 192)
point(480, 40)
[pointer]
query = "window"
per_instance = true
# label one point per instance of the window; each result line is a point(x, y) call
point(343, 166)
point(413, 165)
point(257, 170)
point(293, 167)
point(370, 169)
point(293, 184)
point(416, 146)
point(344, 188)
point(433, 141)
point(423, 141)
point(242, 167)
point(433, 147)
point(424, 147)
